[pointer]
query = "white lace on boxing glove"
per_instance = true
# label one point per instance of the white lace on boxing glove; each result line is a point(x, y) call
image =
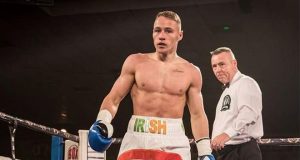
point(104, 115)
point(203, 146)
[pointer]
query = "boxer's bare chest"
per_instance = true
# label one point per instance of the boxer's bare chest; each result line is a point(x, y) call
point(163, 78)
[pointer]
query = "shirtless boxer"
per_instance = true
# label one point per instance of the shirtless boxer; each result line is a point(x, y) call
point(160, 84)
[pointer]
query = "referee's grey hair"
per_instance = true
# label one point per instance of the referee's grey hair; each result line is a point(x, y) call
point(222, 49)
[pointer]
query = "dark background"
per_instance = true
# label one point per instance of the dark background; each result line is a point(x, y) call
point(58, 59)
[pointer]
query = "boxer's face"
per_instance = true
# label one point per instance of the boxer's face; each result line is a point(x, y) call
point(224, 66)
point(166, 35)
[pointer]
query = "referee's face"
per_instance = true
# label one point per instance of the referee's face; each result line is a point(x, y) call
point(224, 66)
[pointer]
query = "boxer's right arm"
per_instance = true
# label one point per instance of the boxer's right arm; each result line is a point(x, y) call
point(121, 86)
point(101, 131)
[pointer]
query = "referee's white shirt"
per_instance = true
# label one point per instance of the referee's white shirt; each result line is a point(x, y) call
point(238, 112)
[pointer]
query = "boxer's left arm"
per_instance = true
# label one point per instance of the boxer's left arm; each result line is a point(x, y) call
point(199, 122)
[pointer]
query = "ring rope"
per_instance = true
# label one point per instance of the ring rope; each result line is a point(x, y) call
point(37, 127)
point(52, 131)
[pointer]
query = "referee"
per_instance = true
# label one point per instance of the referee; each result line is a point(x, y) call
point(238, 120)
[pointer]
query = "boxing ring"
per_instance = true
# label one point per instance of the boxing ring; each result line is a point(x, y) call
point(75, 147)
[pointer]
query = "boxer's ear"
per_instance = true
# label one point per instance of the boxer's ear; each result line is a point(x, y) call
point(180, 35)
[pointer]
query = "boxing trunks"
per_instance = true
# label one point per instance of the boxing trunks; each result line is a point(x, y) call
point(156, 139)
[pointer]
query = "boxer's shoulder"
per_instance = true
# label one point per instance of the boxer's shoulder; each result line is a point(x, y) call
point(137, 58)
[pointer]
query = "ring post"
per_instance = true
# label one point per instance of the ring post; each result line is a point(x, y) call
point(12, 131)
point(57, 148)
point(85, 151)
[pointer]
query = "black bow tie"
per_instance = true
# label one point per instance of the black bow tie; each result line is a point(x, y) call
point(224, 86)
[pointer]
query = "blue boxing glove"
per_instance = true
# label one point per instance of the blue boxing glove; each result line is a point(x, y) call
point(100, 133)
point(204, 149)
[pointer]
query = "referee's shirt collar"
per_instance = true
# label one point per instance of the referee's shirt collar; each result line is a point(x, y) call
point(235, 78)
